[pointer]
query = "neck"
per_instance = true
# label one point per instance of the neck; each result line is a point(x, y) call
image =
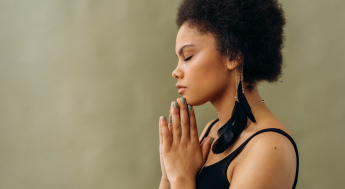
point(225, 102)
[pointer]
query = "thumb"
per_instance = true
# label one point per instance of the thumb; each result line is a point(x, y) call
point(205, 148)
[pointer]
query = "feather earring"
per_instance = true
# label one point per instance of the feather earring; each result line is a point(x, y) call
point(229, 132)
point(244, 103)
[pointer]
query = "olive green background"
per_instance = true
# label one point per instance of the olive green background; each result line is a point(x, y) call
point(83, 83)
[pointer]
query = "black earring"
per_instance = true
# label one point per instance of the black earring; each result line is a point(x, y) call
point(228, 133)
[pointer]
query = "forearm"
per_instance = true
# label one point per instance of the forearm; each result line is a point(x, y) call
point(183, 183)
point(164, 185)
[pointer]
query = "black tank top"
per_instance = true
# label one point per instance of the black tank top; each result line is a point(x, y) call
point(215, 175)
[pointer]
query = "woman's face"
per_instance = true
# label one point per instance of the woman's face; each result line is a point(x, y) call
point(201, 68)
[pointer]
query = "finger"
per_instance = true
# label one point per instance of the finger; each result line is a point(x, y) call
point(170, 121)
point(167, 139)
point(176, 125)
point(192, 122)
point(205, 148)
point(160, 137)
point(160, 131)
point(184, 119)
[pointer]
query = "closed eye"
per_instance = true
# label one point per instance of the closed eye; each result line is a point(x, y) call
point(188, 58)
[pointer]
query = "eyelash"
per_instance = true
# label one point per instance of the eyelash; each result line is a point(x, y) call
point(188, 58)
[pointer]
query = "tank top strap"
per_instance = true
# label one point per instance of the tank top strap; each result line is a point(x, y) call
point(227, 160)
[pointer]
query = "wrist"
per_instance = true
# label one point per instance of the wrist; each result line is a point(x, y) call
point(183, 182)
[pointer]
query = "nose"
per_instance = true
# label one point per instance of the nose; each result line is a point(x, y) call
point(177, 73)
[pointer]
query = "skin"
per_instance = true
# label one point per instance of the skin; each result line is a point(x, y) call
point(267, 161)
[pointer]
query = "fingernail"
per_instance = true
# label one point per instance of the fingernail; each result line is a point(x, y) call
point(163, 118)
point(183, 100)
point(211, 140)
point(175, 104)
point(189, 107)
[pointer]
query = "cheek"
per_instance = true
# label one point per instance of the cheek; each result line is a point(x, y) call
point(205, 84)
point(209, 76)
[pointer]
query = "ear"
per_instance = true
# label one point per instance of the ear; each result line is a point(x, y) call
point(233, 64)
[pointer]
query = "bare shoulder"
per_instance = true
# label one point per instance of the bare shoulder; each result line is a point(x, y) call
point(268, 161)
point(205, 129)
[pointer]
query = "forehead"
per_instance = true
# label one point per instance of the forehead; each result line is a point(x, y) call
point(191, 35)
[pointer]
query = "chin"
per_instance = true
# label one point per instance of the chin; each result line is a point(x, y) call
point(194, 101)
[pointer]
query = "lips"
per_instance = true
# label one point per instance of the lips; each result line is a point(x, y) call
point(179, 85)
point(181, 88)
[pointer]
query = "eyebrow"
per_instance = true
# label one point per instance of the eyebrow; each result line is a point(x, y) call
point(183, 47)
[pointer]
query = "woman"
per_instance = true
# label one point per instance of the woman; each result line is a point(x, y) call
point(224, 48)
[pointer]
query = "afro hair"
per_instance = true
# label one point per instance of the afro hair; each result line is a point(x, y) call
point(251, 27)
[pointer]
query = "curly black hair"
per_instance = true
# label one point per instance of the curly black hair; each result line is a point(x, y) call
point(251, 27)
